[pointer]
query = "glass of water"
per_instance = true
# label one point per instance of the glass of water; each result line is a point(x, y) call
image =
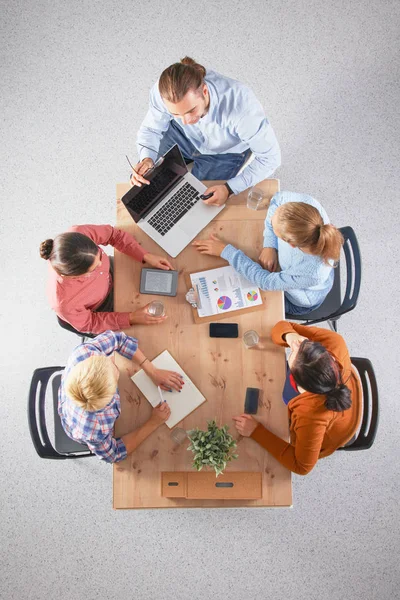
point(254, 198)
point(251, 338)
point(178, 435)
point(156, 308)
point(192, 297)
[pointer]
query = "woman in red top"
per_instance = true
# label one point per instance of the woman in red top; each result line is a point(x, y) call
point(80, 286)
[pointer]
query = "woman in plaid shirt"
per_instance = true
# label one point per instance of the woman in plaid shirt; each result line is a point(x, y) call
point(89, 401)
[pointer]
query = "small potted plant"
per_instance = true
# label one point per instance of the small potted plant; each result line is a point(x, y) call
point(212, 448)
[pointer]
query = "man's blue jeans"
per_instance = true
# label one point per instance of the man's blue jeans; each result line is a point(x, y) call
point(206, 166)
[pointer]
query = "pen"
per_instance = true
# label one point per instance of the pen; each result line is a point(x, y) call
point(160, 394)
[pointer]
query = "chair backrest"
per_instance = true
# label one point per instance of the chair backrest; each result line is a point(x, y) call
point(69, 327)
point(352, 254)
point(333, 306)
point(370, 415)
point(37, 416)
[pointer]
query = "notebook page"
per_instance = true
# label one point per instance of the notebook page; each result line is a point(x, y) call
point(181, 403)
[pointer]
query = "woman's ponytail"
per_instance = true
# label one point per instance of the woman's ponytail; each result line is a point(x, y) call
point(316, 371)
point(339, 399)
point(301, 225)
point(329, 243)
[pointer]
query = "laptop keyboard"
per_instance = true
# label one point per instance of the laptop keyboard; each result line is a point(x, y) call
point(176, 208)
point(149, 192)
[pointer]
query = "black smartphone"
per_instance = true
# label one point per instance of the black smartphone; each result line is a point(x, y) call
point(224, 330)
point(251, 401)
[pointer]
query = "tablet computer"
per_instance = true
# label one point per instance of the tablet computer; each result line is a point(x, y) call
point(158, 282)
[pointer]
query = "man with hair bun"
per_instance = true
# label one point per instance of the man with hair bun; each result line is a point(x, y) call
point(217, 123)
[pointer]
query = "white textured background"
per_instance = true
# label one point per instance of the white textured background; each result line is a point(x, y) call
point(75, 78)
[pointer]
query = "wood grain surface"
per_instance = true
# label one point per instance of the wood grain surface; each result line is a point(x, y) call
point(222, 369)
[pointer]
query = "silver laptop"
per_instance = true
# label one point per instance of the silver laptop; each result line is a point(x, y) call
point(169, 210)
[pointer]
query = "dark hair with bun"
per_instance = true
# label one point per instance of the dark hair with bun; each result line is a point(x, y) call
point(46, 249)
point(70, 253)
point(175, 81)
point(316, 371)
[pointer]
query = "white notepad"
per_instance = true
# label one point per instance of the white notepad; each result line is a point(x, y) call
point(181, 403)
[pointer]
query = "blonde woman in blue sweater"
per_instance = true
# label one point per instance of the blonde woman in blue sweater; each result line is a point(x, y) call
point(300, 250)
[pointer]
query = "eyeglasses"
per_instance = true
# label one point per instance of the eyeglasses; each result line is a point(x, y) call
point(156, 164)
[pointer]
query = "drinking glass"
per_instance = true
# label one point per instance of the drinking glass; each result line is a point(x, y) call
point(192, 297)
point(251, 338)
point(178, 435)
point(254, 198)
point(156, 308)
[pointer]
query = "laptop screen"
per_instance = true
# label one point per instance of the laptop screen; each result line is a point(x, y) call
point(141, 200)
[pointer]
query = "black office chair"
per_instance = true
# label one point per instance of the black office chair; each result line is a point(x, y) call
point(69, 327)
point(63, 447)
point(333, 306)
point(365, 437)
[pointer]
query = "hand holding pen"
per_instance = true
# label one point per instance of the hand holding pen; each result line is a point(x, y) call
point(160, 413)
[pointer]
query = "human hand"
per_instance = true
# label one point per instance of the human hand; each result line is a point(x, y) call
point(294, 340)
point(141, 316)
point(139, 170)
point(160, 414)
point(219, 196)
point(166, 379)
point(245, 424)
point(269, 260)
point(158, 262)
point(213, 246)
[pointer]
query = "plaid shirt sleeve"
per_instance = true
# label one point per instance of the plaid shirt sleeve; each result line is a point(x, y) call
point(109, 448)
point(92, 428)
point(107, 343)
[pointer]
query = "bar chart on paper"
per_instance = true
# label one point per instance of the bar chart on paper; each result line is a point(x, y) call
point(203, 287)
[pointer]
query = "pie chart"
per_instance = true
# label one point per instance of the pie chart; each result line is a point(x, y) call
point(252, 296)
point(224, 302)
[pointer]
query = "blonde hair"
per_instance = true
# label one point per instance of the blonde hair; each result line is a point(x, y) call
point(179, 78)
point(302, 226)
point(92, 383)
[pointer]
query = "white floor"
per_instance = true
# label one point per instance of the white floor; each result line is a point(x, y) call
point(75, 78)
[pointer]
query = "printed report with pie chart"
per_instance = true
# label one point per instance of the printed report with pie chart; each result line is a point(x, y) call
point(224, 290)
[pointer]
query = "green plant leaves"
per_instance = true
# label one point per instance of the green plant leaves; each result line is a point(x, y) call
point(212, 448)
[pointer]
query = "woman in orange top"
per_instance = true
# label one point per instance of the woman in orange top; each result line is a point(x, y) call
point(323, 394)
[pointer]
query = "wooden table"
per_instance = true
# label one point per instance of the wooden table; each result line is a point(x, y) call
point(221, 368)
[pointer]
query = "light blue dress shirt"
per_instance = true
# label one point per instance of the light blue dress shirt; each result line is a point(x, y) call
point(234, 123)
point(305, 279)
